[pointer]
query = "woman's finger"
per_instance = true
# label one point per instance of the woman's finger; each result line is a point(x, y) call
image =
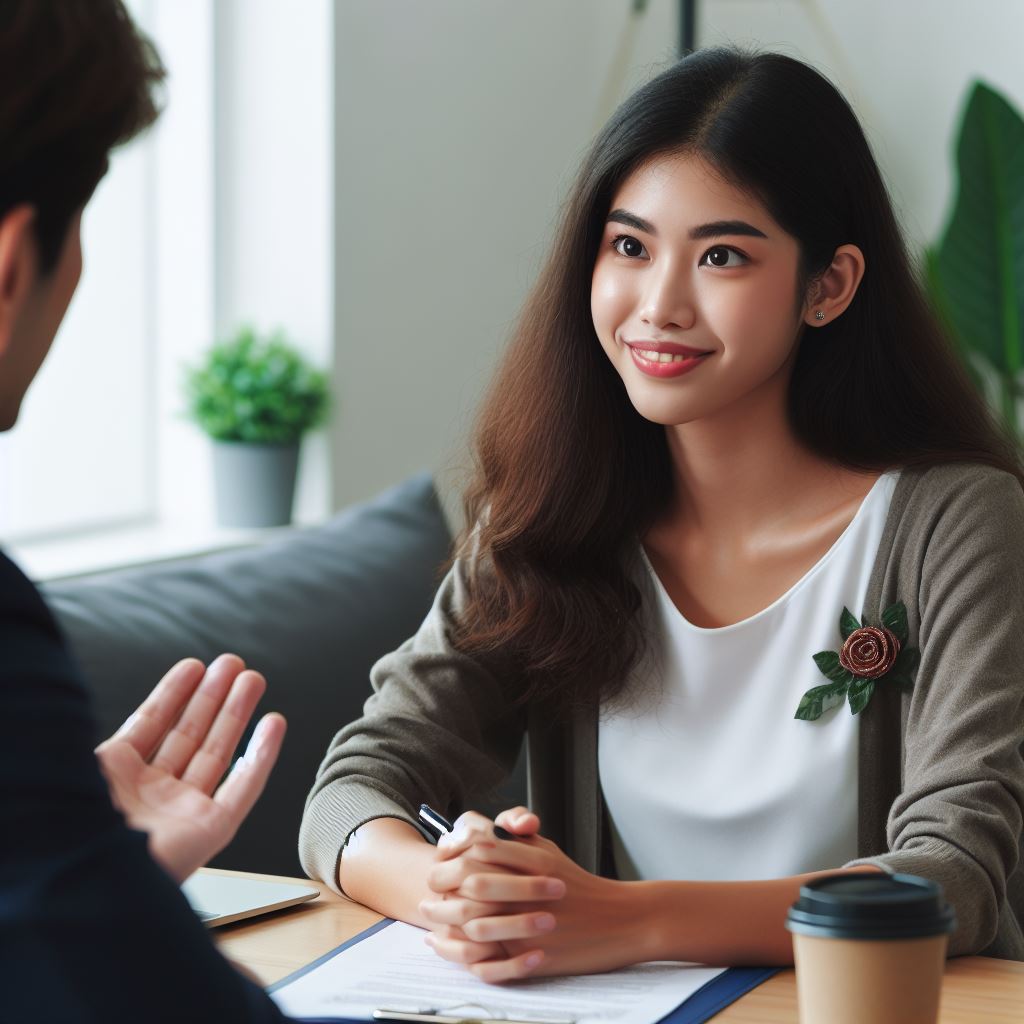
point(186, 736)
point(495, 971)
point(471, 819)
point(508, 927)
point(456, 912)
point(468, 828)
point(520, 821)
point(505, 888)
point(465, 877)
point(460, 951)
point(513, 854)
point(148, 725)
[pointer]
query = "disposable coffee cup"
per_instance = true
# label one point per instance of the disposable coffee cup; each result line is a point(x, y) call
point(870, 947)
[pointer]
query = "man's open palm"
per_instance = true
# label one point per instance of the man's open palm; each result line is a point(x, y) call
point(164, 764)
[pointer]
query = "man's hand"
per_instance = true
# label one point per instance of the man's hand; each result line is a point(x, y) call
point(164, 764)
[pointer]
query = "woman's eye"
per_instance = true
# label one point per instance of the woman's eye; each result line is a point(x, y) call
point(627, 245)
point(720, 256)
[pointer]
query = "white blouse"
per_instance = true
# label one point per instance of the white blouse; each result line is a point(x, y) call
point(708, 776)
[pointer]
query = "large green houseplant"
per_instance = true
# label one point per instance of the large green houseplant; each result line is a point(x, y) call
point(975, 274)
point(255, 397)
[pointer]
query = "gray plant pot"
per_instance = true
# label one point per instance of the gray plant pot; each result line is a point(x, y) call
point(254, 483)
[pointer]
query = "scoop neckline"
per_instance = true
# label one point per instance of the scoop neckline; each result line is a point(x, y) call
point(783, 598)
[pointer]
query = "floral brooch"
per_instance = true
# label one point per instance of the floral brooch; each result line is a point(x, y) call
point(869, 655)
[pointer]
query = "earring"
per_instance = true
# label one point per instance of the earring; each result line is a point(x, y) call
point(818, 315)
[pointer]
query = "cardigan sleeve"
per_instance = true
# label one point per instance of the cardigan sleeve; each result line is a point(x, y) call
point(440, 728)
point(958, 817)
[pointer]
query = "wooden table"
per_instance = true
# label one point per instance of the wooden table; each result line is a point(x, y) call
point(976, 989)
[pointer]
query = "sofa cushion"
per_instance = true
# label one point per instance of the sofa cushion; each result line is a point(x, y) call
point(311, 610)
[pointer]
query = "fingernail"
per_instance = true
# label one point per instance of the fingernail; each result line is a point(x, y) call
point(556, 887)
point(128, 723)
point(544, 922)
point(533, 960)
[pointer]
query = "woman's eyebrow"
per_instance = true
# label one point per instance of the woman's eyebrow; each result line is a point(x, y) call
point(712, 230)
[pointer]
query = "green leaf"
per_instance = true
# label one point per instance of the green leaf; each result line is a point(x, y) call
point(828, 663)
point(978, 266)
point(819, 699)
point(847, 623)
point(906, 662)
point(895, 618)
point(899, 680)
point(860, 693)
point(252, 389)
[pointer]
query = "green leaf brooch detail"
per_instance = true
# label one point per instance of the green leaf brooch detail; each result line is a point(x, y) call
point(870, 655)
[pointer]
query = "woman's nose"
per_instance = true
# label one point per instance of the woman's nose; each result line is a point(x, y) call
point(668, 301)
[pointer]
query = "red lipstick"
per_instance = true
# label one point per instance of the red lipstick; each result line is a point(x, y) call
point(649, 358)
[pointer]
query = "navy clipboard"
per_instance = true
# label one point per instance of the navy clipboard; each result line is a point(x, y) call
point(701, 1006)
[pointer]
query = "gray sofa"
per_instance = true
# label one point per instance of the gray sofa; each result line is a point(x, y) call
point(312, 610)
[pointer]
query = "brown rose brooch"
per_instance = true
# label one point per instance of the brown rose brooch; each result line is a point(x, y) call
point(870, 655)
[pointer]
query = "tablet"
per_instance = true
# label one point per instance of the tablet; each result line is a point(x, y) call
point(220, 899)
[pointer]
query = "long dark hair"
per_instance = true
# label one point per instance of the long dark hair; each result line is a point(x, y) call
point(569, 474)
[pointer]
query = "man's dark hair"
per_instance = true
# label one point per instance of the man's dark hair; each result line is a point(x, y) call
point(76, 79)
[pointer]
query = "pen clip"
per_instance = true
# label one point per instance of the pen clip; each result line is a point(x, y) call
point(435, 822)
point(440, 1017)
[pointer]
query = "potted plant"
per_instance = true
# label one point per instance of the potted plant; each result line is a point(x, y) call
point(975, 274)
point(255, 398)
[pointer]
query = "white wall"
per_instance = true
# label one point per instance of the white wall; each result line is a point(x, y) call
point(244, 219)
point(905, 67)
point(273, 262)
point(459, 126)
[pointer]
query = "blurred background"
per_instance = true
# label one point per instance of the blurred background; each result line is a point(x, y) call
point(378, 180)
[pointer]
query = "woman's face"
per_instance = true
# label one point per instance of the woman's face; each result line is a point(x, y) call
point(694, 292)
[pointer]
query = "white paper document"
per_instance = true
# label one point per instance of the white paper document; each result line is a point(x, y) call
point(393, 969)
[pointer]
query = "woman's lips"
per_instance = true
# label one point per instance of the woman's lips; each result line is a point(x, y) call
point(649, 360)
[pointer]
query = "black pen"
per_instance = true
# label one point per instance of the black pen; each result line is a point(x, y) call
point(439, 825)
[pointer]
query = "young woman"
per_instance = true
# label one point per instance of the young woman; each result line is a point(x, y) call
point(729, 468)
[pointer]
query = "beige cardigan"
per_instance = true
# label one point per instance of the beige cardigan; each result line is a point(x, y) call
point(941, 776)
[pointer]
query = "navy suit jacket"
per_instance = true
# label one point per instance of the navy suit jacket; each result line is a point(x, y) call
point(91, 928)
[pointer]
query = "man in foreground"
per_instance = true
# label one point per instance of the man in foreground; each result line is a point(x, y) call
point(93, 925)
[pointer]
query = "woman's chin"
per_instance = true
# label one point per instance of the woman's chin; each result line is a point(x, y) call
point(668, 411)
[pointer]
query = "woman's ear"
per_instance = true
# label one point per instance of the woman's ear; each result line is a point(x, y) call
point(834, 290)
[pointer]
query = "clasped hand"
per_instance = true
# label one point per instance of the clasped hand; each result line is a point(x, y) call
point(164, 766)
point(512, 908)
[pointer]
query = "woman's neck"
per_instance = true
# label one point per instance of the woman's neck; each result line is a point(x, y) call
point(743, 472)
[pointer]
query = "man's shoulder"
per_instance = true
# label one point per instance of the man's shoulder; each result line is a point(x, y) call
point(18, 594)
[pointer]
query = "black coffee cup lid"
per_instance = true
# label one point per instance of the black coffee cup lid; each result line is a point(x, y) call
point(871, 905)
